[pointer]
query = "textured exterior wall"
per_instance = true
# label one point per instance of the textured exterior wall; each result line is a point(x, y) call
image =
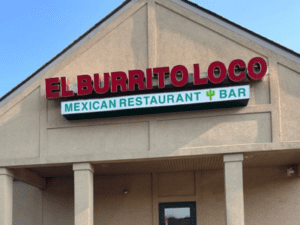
point(112, 206)
point(270, 198)
point(27, 205)
point(151, 34)
point(290, 104)
point(182, 41)
point(58, 202)
point(20, 127)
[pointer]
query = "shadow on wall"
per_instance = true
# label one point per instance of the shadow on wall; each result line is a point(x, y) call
point(58, 201)
point(27, 204)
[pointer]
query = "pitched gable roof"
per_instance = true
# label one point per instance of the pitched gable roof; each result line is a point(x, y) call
point(283, 48)
point(284, 51)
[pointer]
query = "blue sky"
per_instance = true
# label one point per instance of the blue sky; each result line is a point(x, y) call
point(32, 32)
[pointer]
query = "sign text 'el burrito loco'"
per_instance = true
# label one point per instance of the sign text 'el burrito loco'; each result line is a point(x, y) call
point(160, 89)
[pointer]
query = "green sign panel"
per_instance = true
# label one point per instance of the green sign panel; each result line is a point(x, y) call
point(166, 99)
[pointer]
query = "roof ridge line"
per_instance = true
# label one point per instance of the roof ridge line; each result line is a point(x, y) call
point(192, 4)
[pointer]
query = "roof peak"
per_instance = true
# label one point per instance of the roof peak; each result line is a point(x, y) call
point(286, 52)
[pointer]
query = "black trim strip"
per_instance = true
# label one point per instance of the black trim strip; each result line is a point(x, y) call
point(242, 28)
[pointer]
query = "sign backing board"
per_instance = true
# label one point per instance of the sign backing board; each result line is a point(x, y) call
point(223, 97)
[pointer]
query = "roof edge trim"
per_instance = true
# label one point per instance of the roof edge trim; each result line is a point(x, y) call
point(273, 46)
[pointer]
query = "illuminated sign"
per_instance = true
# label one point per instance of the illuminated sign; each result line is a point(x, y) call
point(158, 89)
point(92, 107)
point(136, 80)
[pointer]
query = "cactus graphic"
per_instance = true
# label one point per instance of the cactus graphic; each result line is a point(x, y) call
point(210, 94)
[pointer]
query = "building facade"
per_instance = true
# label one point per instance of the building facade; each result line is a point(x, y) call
point(210, 165)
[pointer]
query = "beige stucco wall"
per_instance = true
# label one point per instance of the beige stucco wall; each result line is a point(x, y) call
point(181, 41)
point(290, 104)
point(19, 128)
point(154, 33)
point(58, 202)
point(27, 204)
point(270, 198)
point(112, 206)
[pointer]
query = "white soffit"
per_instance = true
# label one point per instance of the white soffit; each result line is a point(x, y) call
point(238, 31)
